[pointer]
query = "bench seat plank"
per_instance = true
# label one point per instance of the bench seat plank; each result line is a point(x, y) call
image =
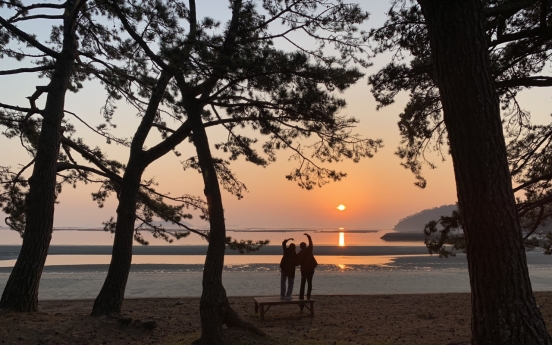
point(268, 301)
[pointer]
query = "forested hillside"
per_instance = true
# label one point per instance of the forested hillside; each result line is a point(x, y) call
point(417, 221)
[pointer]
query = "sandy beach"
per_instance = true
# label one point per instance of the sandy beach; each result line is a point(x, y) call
point(340, 319)
point(373, 300)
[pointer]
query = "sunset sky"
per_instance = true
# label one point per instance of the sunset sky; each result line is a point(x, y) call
point(377, 192)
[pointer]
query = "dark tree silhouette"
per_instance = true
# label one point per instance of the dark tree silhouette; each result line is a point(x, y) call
point(103, 55)
point(21, 291)
point(519, 46)
point(236, 77)
point(460, 78)
point(285, 96)
point(519, 36)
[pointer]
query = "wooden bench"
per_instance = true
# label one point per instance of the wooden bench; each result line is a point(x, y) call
point(261, 302)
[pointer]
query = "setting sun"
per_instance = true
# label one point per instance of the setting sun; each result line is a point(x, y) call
point(341, 207)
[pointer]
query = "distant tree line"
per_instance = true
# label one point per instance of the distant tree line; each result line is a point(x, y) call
point(414, 221)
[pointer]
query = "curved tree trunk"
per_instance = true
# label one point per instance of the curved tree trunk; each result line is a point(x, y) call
point(213, 304)
point(21, 291)
point(503, 307)
point(214, 307)
point(110, 299)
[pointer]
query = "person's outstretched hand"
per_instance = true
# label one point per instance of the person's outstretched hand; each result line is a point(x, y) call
point(291, 239)
point(306, 234)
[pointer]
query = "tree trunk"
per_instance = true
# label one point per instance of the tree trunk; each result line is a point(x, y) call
point(503, 307)
point(110, 299)
point(21, 291)
point(213, 304)
point(214, 307)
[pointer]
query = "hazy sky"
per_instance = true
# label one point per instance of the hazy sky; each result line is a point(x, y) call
point(377, 192)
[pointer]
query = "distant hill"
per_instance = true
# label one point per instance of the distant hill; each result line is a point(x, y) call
point(417, 221)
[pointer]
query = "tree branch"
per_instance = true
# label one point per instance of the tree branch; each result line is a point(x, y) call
point(536, 225)
point(27, 110)
point(530, 33)
point(37, 16)
point(508, 9)
point(29, 39)
point(91, 158)
point(533, 181)
point(154, 57)
point(27, 70)
point(62, 166)
point(149, 116)
point(206, 87)
point(524, 208)
point(168, 144)
point(16, 177)
point(537, 81)
point(103, 134)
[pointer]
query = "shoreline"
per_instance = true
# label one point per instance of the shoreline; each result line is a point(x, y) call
point(13, 250)
point(376, 281)
point(417, 319)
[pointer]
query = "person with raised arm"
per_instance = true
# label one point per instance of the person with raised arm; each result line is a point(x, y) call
point(287, 266)
point(308, 263)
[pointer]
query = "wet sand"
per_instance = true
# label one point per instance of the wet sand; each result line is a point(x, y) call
point(401, 275)
point(8, 252)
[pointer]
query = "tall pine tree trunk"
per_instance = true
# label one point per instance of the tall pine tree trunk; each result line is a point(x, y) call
point(214, 307)
point(213, 303)
point(503, 307)
point(21, 291)
point(110, 299)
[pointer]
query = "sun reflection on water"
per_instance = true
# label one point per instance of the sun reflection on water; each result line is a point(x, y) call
point(342, 267)
point(341, 239)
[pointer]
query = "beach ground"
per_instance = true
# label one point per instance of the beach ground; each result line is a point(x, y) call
point(363, 319)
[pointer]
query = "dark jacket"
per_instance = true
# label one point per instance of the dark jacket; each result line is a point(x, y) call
point(306, 259)
point(287, 264)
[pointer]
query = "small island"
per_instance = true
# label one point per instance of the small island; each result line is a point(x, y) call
point(411, 228)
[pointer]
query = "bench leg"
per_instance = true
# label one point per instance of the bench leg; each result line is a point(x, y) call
point(256, 307)
point(262, 311)
point(301, 306)
point(312, 309)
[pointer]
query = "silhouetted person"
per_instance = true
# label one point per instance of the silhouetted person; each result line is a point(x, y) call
point(287, 266)
point(308, 263)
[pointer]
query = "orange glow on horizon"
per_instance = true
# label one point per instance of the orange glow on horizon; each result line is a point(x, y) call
point(341, 207)
point(341, 239)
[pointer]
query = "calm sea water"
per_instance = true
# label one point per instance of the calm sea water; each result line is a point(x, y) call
point(93, 247)
point(78, 263)
point(347, 237)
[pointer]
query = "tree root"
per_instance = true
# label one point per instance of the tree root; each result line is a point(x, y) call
point(232, 319)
